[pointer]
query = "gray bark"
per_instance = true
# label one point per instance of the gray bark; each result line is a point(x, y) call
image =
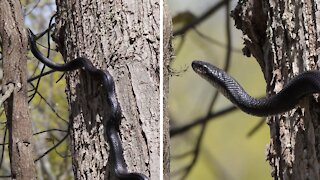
point(14, 50)
point(283, 36)
point(122, 37)
point(167, 57)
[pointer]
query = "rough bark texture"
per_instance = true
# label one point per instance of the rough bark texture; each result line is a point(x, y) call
point(167, 56)
point(122, 37)
point(14, 50)
point(283, 36)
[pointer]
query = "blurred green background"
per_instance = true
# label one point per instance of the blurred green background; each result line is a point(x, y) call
point(48, 109)
point(226, 151)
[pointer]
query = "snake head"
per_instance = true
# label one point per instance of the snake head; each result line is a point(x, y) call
point(209, 72)
point(217, 77)
point(205, 69)
point(200, 67)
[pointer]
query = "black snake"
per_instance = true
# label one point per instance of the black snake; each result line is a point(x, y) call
point(300, 86)
point(118, 164)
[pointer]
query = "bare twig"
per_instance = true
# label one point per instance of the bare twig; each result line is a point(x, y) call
point(199, 20)
point(197, 149)
point(256, 127)
point(41, 75)
point(53, 147)
point(3, 145)
point(201, 120)
point(49, 130)
point(51, 107)
point(48, 55)
point(216, 42)
point(7, 91)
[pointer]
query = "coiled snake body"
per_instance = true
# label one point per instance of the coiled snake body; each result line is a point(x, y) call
point(300, 86)
point(118, 164)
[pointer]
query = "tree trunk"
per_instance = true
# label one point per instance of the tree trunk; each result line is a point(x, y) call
point(167, 56)
point(283, 36)
point(123, 38)
point(14, 50)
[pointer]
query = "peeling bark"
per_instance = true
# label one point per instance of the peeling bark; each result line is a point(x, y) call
point(286, 44)
point(14, 46)
point(122, 37)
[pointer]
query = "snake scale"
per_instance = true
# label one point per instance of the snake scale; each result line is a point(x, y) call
point(300, 86)
point(118, 164)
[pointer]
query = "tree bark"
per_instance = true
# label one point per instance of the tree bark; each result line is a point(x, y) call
point(123, 38)
point(283, 37)
point(167, 57)
point(14, 50)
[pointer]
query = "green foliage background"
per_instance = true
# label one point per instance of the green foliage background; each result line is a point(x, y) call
point(226, 151)
point(44, 111)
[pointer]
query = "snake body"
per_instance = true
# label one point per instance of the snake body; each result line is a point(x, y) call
point(300, 86)
point(112, 125)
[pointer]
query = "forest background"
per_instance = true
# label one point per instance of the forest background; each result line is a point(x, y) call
point(233, 144)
